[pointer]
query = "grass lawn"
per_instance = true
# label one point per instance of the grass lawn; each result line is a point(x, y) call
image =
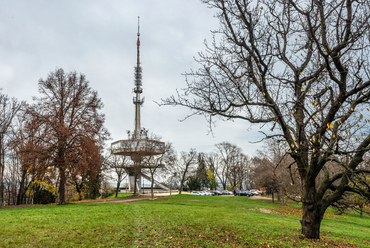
point(175, 221)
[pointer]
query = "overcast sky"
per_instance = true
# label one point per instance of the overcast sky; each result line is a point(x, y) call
point(98, 39)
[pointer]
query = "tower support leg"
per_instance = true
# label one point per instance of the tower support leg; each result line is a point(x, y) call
point(132, 183)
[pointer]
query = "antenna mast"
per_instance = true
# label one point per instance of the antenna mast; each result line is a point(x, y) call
point(138, 85)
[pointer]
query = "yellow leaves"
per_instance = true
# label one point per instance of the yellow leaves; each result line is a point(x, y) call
point(303, 24)
point(361, 116)
point(329, 125)
point(315, 117)
point(292, 145)
point(351, 109)
point(263, 93)
point(333, 135)
point(313, 138)
point(313, 150)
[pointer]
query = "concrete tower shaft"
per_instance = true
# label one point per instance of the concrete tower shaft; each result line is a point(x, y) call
point(138, 87)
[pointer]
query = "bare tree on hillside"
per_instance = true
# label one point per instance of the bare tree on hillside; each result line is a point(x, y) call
point(301, 69)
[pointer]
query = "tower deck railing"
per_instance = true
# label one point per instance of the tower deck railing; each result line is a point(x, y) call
point(145, 147)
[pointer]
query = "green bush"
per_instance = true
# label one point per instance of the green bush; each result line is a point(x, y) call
point(43, 196)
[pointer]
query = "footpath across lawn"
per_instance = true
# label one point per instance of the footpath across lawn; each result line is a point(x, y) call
point(119, 196)
point(175, 221)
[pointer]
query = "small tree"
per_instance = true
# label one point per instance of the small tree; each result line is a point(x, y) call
point(201, 172)
point(159, 162)
point(117, 164)
point(184, 166)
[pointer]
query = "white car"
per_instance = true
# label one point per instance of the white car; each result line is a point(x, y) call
point(195, 193)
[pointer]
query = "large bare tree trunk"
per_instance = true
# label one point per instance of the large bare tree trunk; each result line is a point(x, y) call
point(62, 186)
point(312, 212)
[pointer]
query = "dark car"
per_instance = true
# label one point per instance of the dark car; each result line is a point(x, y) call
point(243, 193)
point(215, 192)
point(226, 192)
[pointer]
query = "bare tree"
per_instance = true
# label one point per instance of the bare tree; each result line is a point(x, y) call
point(117, 164)
point(282, 167)
point(227, 159)
point(240, 171)
point(184, 166)
point(8, 110)
point(162, 162)
point(301, 69)
point(264, 176)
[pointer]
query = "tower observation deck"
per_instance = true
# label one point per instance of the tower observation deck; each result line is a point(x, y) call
point(138, 144)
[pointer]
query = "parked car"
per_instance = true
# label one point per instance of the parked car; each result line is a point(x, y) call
point(207, 193)
point(195, 193)
point(226, 192)
point(215, 192)
point(256, 192)
point(243, 193)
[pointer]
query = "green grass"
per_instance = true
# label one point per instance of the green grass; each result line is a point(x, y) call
point(119, 196)
point(175, 221)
